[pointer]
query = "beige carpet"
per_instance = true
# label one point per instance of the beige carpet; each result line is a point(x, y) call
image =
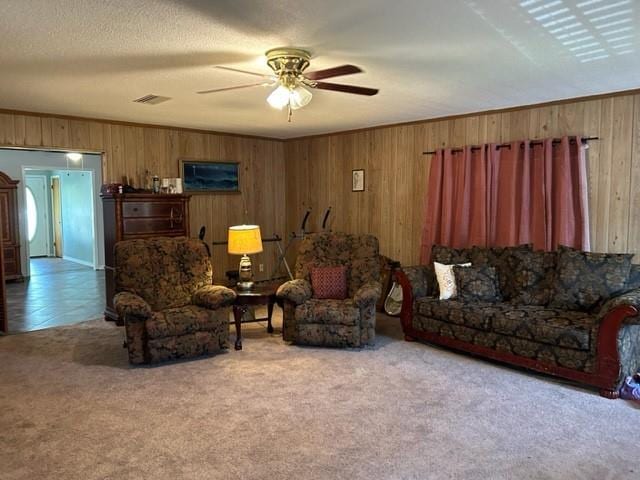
point(71, 408)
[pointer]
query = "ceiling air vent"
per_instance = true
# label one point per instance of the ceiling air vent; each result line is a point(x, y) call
point(151, 99)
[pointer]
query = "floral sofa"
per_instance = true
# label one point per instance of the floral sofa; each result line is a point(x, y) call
point(333, 323)
point(567, 313)
point(165, 297)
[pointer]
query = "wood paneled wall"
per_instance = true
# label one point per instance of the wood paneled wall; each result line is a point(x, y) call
point(130, 150)
point(392, 207)
point(318, 169)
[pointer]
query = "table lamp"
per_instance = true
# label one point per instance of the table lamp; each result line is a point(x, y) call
point(245, 240)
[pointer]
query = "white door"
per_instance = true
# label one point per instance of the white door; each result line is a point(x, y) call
point(37, 215)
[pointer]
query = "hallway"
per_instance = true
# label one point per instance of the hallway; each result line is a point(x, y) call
point(59, 292)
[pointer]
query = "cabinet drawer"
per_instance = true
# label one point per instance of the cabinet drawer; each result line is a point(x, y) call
point(10, 268)
point(156, 226)
point(152, 209)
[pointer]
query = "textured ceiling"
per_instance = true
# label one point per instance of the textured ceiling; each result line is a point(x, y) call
point(429, 58)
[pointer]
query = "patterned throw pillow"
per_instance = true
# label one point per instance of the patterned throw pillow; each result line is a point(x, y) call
point(449, 255)
point(329, 282)
point(477, 284)
point(584, 279)
point(634, 278)
point(505, 263)
point(447, 279)
point(534, 277)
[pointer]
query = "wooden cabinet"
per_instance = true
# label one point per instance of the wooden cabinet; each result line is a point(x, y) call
point(10, 229)
point(137, 215)
point(4, 327)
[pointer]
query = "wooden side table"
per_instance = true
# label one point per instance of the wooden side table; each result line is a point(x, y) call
point(260, 294)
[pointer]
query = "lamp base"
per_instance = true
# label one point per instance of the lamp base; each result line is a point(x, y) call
point(245, 274)
point(244, 285)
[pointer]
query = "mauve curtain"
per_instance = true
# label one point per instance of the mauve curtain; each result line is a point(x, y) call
point(524, 193)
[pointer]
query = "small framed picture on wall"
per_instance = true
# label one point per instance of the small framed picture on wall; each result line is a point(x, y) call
point(357, 179)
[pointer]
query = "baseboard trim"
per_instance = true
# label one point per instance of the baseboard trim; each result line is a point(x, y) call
point(77, 260)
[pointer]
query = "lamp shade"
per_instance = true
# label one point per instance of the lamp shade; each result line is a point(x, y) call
point(244, 240)
point(279, 98)
point(299, 97)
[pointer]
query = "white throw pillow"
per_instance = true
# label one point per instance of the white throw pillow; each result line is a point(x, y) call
point(447, 279)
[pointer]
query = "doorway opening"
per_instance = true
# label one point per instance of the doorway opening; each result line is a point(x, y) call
point(61, 244)
point(60, 211)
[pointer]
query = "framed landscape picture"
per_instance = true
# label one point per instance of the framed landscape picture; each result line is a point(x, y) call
point(204, 176)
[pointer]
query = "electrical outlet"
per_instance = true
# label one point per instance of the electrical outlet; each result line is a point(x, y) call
point(261, 267)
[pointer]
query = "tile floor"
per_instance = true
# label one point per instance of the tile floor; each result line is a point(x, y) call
point(59, 292)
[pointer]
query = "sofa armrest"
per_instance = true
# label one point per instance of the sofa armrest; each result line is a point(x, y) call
point(295, 291)
point(618, 340)
point(627, 299)
point(413, 281)
point(131, 307)
point(367, 294)
point(213, 297)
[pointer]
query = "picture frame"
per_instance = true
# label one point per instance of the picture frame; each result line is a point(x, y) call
point(357, 180)
point(209, 176)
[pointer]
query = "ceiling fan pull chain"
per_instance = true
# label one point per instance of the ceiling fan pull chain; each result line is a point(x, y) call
point(290, 112)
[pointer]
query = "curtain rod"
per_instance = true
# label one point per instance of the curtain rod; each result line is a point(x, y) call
point(508, 145)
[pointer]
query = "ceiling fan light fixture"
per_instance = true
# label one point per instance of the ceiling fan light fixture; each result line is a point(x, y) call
point(292, 82)
point(299, 97)
point(279, 98)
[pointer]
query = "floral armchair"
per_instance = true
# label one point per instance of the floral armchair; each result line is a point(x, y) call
point(165, 297)
point(333, 323)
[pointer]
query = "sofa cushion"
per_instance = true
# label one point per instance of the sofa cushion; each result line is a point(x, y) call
point(503, 260)
point(584, 280)
point(477, 284)
point(422, 279)
point(180, 321)
point(582, 360)
point(328, 312)
point(634, 278)
point(533, 277)
point(329, 282)
point(475, 315)
point(449, 255)
point(558, 327)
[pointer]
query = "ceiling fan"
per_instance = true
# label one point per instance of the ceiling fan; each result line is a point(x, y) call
point(288, 65)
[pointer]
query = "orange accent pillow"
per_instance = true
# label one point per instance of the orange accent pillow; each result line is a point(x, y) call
point(329, 282)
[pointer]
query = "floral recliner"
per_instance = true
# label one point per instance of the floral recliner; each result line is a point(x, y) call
point(333, 323)
point(167, 302)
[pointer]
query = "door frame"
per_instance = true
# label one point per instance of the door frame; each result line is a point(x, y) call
point(53, 219)
point(47, 211)
point(4, 319)
point(98, 224)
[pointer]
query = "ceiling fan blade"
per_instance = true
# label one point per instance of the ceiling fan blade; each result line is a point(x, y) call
point(337, 87)
point(244, 71)
point(333, 72)
point(234, 88)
